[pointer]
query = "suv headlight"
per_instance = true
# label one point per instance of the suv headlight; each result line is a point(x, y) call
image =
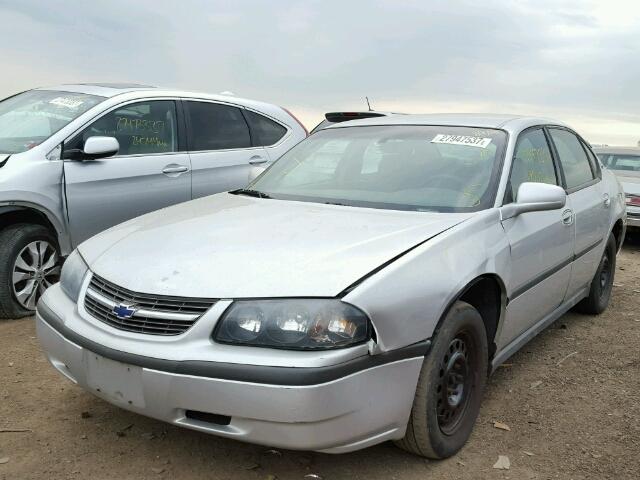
point(293, 324)
point(73, 272)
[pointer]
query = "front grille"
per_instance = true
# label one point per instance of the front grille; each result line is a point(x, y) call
point(151, 314)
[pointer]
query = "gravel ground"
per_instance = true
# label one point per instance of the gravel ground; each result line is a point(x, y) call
point(571, 399)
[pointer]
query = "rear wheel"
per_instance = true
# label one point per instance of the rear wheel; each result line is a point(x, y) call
point(29, 264)
point(602, 283)
point(450, 386)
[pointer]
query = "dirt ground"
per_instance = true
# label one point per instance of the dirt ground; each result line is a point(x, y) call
point(571, 399)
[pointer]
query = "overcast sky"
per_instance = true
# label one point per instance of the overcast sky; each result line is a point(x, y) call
point(578, 61)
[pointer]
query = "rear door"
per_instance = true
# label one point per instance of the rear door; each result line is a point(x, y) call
point(541, 242)
point(149, 172)
point(220, 146)
point(582, 179)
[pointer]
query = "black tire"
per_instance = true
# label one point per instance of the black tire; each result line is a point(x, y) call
point(430, 432)
point(602, 283)
point(13, 240)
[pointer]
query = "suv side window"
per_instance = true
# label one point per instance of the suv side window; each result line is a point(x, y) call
point(575, 164)
point(214, 126)
point(141, 128)
point(265, 131)
point(532, 162)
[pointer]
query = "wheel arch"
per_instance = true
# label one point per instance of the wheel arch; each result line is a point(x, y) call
point(15, 214)
point(487, 294)
point(618, 233)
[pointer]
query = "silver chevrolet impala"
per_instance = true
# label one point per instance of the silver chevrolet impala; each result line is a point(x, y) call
point(360, 290)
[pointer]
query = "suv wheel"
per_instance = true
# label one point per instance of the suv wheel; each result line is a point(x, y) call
point(450, 386)
point(29, 264)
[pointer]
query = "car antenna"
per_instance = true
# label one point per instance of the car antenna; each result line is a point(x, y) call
point(368, 104)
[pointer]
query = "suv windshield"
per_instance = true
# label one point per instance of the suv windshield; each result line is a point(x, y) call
point(29, 118)
point(403, 167)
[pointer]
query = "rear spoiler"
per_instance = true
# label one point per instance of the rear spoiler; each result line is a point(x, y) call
point(336, 117)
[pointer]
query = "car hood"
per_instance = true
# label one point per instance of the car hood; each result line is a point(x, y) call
point(232, 246)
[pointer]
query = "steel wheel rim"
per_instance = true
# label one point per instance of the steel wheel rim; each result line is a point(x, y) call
point(35, 269)
point(455, 383)
point(605, 272)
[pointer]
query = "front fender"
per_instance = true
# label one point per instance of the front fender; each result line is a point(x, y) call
point(406, 299)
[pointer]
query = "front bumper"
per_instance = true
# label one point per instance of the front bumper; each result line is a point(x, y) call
point(333, 409)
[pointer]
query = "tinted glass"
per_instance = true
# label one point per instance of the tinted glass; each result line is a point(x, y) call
point(29, 118)
point(397, 167)
point(532, 162)
point(575, 164)
point(141, 128)
point(265, 131)
point(217, 127)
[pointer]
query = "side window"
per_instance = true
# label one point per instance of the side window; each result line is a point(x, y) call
point(574, 161)
point(265, 132)
point(532, 162)
point(141, 128)
point(216, 127)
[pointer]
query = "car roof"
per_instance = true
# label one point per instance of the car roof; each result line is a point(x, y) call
point(130, 91)
point(100, 89)
point(483, 120)
point(617, 150)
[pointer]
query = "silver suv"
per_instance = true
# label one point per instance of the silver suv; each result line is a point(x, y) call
point(78, 159)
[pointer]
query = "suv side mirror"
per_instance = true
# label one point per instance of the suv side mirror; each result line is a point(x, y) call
point(100, 147)
point(535, 197)
point(94, 148)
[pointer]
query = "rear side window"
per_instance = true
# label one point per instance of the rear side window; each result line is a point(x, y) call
point(143, 128)
point(574, 161)
point(532, 162)
point(214, 126)
point(264, 130)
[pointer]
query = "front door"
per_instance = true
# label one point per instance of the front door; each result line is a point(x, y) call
point(541, 242)
point(148, 172)
point(590, 202)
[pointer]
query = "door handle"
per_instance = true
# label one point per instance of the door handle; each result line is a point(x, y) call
point(606, 200)
point(257, 160)
point(567, 217)
point(174, 169)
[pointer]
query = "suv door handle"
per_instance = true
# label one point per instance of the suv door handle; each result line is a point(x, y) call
point(257, 160)
point(607, 200)
point(173, 168)
point(567, 217)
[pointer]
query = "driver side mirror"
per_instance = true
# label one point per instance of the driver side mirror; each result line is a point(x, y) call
point(94, 149)
point(535, 197)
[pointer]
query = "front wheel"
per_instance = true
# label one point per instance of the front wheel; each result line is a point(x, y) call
point(602, 283)
point(450, 386)
point(29, 264)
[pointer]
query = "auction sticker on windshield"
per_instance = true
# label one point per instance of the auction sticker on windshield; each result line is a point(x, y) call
point(462, 140)
point(66, 102)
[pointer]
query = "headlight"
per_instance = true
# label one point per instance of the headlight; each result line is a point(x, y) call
point(293, 324)
point(73, 272)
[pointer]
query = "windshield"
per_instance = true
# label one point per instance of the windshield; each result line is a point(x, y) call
point(404, 167)
point(29, 118)
point(622, 163)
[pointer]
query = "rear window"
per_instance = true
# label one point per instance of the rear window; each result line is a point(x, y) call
point(625, 163)
point(265, 131)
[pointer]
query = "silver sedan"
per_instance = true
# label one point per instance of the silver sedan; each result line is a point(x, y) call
point(360, 290)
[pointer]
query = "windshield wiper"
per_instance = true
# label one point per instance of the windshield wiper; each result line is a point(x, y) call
point(4, 162)
point(250, 193)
